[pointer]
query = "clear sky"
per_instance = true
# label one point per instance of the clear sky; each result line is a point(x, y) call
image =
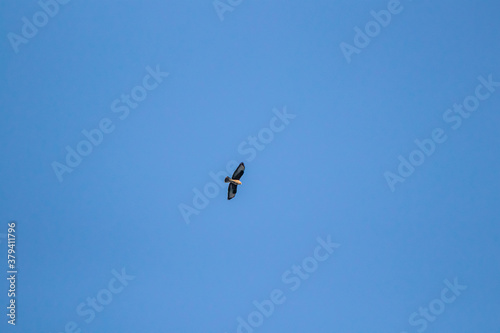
point(369, 131)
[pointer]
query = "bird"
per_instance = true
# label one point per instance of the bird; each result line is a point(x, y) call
point(234, 181)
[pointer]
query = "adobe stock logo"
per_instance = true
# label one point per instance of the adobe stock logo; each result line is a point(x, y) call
point(436, 307)
point(453, 116)
point(250, 147)
point(29, 29)
point(94, 137)
point(372, 29)
point(88, 310)
point(292, 278)
point(222, 6)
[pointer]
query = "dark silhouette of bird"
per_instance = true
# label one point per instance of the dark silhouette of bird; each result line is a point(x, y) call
point(234, 181)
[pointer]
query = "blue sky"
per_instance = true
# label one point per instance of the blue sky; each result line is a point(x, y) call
point(370, 197)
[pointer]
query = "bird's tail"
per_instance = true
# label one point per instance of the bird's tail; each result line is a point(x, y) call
point(226, 180)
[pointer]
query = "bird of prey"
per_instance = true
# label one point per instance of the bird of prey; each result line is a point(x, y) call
point(234, 181)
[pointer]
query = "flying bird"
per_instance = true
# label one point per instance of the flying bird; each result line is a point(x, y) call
point(234, 181)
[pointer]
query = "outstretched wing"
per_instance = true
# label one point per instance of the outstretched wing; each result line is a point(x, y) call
point(231, 191)
point(239, 171)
